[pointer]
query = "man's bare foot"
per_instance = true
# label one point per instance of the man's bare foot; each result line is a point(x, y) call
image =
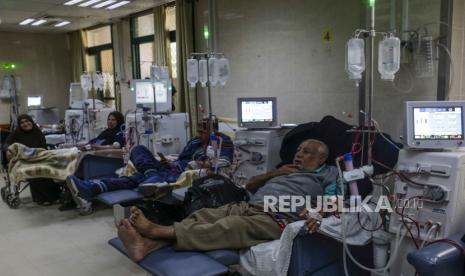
point(136, 246)
point(144, 226)
point(147, 228)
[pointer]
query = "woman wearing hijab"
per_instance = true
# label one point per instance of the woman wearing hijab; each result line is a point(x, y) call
point(43, 191)
point(113, 136)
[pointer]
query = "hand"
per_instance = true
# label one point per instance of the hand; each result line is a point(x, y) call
point(84, 147)
point(313, 221)
point(165, 162)
point(286, 170)
point(9, 155)
point(95, 147)
point(203, 164)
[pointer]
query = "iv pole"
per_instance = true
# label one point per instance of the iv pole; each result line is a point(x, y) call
point(372, 34)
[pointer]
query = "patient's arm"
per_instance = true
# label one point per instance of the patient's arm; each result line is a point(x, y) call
point(260, 180)
point(115, 145)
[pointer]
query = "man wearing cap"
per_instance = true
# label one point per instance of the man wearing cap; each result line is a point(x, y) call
point(150, 170)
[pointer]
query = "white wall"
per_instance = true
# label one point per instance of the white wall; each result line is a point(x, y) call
point(276, 49)
point(43, 64)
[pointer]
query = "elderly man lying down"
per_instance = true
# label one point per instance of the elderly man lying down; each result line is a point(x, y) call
point(238, 225)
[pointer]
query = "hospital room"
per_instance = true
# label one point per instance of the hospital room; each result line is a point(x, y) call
point(234, 138)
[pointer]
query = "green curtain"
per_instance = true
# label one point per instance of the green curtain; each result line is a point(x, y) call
point(184, 47)
point(159, 48)
point(77, 54)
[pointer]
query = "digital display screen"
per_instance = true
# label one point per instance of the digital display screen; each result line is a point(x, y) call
point(257, 111)
point(144, 93)
point(437, 123)
point(34, 101)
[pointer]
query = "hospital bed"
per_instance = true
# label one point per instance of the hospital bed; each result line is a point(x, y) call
point(311, 254)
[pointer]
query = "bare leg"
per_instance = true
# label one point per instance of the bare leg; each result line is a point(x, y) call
point(137, 246)
point(149, 229)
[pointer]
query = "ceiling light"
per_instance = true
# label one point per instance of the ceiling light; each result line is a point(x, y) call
point(72, 2)
point(39, 22)
point(103, 4)
point(117, 5)
point(61, 24)
point(26, 21)
point(88, 3)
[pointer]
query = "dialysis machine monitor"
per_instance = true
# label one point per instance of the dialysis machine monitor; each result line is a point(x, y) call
point(34, 101)
point(256, 112)
point(143, 90)
point(434, 124)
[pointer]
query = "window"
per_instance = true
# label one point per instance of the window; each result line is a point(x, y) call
point(142, 33)
point(99, 36)
point(142, 37)
point(100, 58)
point(171, 27)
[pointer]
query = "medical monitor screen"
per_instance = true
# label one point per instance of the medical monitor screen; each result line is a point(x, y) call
point(257, 112)
point(438, 123)
point(34, 101)
point(434, 125)
point(143, 90)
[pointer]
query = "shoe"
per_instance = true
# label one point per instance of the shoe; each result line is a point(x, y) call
point(81, 193)
point(65, 206)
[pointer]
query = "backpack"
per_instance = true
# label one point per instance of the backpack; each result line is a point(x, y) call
point(212, 192)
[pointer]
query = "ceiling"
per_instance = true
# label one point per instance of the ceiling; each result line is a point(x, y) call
point(14, 11)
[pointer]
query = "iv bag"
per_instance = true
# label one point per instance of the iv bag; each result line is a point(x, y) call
point(99, 83)
point(389, 57)
point(213, 71)
point(223, 69)
point(86, 82)
point(18, 83)
point(5, 90)
point(7, 83)
point(355, 58)
point(155, 73)
point(164, 73)
point(203, 74)
point(192, 71)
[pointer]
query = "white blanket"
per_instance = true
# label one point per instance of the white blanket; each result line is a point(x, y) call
point(273, 258)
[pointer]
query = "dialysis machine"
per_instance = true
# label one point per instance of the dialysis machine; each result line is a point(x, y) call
point(86, 118)
point(433, 168)
point(164, 133)
point(82, 125)
point(152, 124)
point(257, 147)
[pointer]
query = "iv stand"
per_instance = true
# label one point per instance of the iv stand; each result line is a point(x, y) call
point(207, 55)
point(372, 35)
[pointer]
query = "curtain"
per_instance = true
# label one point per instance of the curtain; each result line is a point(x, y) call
point(78, 54)
point(159, 48)
point(185, 46)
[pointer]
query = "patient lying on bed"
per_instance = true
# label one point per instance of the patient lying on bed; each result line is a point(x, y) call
point(149, 169)
point(238, 225)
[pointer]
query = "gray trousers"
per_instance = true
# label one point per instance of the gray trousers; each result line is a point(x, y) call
point(232, 226)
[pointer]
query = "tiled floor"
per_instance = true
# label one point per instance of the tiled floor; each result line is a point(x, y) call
point(36, 240)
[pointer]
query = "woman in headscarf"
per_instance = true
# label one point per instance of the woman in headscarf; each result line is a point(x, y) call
point(113, 136)
point(43, 191)
point(27, 133)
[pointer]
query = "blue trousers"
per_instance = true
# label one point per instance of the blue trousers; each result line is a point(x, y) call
point(149, 170)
